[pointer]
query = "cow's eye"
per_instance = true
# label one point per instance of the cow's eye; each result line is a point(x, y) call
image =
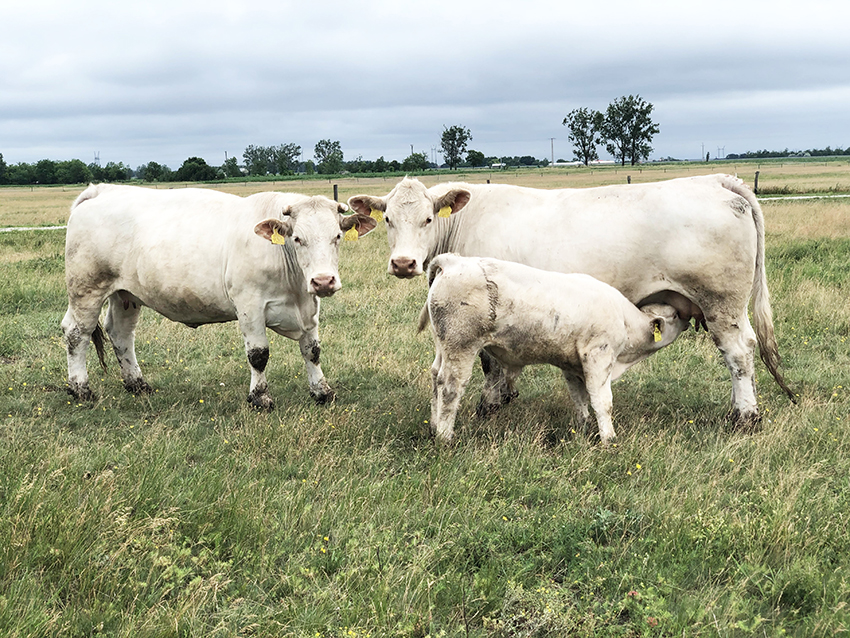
point(429, 220)
point(338, 236)
point(389, 223)
point(297, 240)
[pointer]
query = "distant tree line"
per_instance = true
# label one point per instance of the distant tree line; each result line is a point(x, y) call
point(259, 161)
point(815, 152)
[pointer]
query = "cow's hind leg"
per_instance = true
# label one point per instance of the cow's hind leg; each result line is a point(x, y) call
point(120, 324)
point(736, 341)
point(78, 325)
point(498, 385)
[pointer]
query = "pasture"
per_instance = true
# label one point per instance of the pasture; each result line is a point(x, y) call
point(186, 513)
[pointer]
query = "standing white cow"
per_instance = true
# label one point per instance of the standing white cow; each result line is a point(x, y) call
point(523, 316)
point(695, 243)
point(198, 256)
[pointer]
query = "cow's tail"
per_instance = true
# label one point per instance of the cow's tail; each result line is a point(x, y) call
point(98, 338)
point(91, 192)
point(762, 312)
point(434, 269)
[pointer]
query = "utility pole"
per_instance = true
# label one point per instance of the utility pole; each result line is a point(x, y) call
point(552, 140)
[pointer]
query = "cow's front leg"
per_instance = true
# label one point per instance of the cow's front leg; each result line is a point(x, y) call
point(257, 350)
point(311, 350)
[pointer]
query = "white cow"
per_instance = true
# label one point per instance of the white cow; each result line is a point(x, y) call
point(523, 316)
point(199, 256)
point(694, 243)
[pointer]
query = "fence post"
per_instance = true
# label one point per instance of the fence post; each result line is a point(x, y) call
point(336, 192)
point(756, 184)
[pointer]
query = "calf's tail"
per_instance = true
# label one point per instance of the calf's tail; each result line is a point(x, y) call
point(762, 312)
point(434, 269)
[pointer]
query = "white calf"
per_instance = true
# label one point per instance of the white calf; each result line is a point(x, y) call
point(522, 316)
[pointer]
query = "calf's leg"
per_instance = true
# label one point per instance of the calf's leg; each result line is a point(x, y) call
point(597, 365)
point(498, 385)
point(449, 383)
point(581, 400)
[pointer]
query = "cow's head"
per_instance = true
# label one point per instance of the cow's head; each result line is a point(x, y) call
point(312, 230)
point(414, 225)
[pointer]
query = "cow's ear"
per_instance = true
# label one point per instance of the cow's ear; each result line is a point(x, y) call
point(454, 200)
point(363, 223)
point(271, 229)
point(365, 204)
point(341, 208)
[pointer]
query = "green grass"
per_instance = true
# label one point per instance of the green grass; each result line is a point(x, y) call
point(185, 513)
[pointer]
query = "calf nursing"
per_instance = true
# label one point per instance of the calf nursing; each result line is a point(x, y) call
point(522, 316)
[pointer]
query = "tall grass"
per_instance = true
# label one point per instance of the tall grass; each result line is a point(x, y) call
point(186, 513)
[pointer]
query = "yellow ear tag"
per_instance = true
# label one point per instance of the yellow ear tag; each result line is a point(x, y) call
point(277, 238)
point(377, 215)
point(351, 234)
point(657, 333)
point(445, 211)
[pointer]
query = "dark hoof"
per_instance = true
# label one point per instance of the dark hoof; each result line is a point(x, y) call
point(746, 423)
point(261, 401)
point(138, 386)
point(484, 409)
point(324, 397)
point(80, 391)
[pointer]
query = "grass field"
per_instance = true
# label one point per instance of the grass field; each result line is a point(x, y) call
point(185, 513)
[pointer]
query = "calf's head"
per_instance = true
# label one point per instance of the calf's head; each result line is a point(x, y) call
point(414, 225)
point(311, 230)
point(665, 324)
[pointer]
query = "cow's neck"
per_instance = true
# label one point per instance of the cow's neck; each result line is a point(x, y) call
point(447, 237)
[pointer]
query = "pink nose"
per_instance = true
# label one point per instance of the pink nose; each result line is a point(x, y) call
point(403, 267)
point(324, 285)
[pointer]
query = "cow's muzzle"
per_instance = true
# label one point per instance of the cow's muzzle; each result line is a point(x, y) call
point(404, 267)
point(324, 285)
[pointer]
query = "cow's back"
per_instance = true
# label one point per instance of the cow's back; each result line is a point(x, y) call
point(638, 238)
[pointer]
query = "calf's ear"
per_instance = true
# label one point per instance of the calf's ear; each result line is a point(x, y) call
point(455, 199)
point(657, 324)
point(271, 229)
point(364, 223)
point(365, 204)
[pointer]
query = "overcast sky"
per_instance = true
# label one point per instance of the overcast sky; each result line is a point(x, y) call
point(162, 81)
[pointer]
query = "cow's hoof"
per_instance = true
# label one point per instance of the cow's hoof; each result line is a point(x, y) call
point(746, 422)
point(261, 401)
point(486, 409)
point(323, 396)
point(138, 386)
point(80, 391)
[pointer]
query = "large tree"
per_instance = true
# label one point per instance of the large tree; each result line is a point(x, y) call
point(628, 129)
point(453, 143)
point(585, 126)
point(329, 156)
point(415, 162)
point(285, 158)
